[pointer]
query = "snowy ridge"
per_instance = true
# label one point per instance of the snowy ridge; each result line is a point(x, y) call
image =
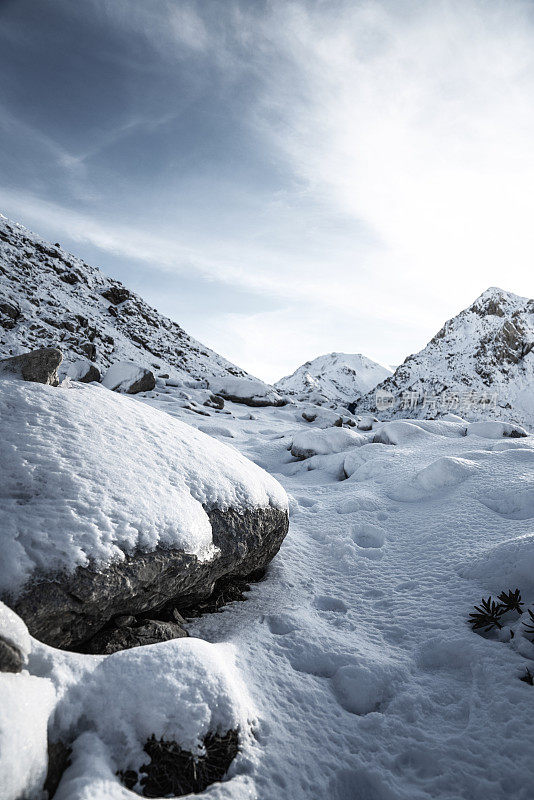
point(480, 364)
point(48, 297)
point(335, 377)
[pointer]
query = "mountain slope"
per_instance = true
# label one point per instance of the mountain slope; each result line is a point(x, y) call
point(335, 377)
point(480, 363)
point(49, 297)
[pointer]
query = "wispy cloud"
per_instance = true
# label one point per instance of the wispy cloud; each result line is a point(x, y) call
point(416, 119)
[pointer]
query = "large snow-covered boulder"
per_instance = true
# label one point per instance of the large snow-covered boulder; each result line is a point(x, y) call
point(112, 507)
point(125, 376)
point(248, 391)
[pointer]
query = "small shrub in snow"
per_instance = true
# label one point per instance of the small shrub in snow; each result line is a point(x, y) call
point(487, 615)
point(511, 601)
point(175, 772)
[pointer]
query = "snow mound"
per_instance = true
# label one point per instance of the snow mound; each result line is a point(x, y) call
point(245, 390)
point(14, 631)
point(179, 690)
point(323, 442)
point(80, 369)
point(88, 474)
point(363, 687)
point(26, 703)
point(516, 503)
point(504, 566)
point(494, 429)
point(446, 473)
point(443, 473)
point(369, 461)
point(400, 432)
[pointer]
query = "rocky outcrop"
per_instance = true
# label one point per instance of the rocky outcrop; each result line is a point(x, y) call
point(39, 366)
point(48, 297)
point(479, 365)
point(66, 610)
point(116, 294)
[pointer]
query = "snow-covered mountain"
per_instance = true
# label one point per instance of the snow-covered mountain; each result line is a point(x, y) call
point(335, 377)
point(481, 363)
point(48, 297)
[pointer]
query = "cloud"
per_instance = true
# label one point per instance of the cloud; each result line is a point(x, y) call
point(414, 118)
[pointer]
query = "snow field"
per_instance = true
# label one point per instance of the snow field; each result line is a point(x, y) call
point(363, 678)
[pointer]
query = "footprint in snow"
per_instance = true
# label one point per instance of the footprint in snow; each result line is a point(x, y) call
point(325, 603)
point(280, 624)
point(369, 536)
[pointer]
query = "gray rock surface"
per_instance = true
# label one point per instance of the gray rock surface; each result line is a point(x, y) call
point(39, 366)
point(67, 609)
point(150, 631)
point(146, 383)
point(11, 659)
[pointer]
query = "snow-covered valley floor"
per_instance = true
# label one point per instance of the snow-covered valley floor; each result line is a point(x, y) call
point(367, 681)
point(355, 671)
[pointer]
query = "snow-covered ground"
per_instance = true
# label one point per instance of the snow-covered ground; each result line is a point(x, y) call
point(368, 681)
point(363, 679)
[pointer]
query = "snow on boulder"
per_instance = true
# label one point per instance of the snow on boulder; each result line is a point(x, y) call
point(125, 376)
point(493, 429)
point(249, 391)
point(113, 507)
point(309, 443)
point(320, 417)
point(84, 371)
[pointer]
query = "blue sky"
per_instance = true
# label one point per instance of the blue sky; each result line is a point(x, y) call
point(282, 178)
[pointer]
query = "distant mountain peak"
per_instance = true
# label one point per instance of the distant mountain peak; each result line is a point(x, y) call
point(339, 378)
point(485, 353)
